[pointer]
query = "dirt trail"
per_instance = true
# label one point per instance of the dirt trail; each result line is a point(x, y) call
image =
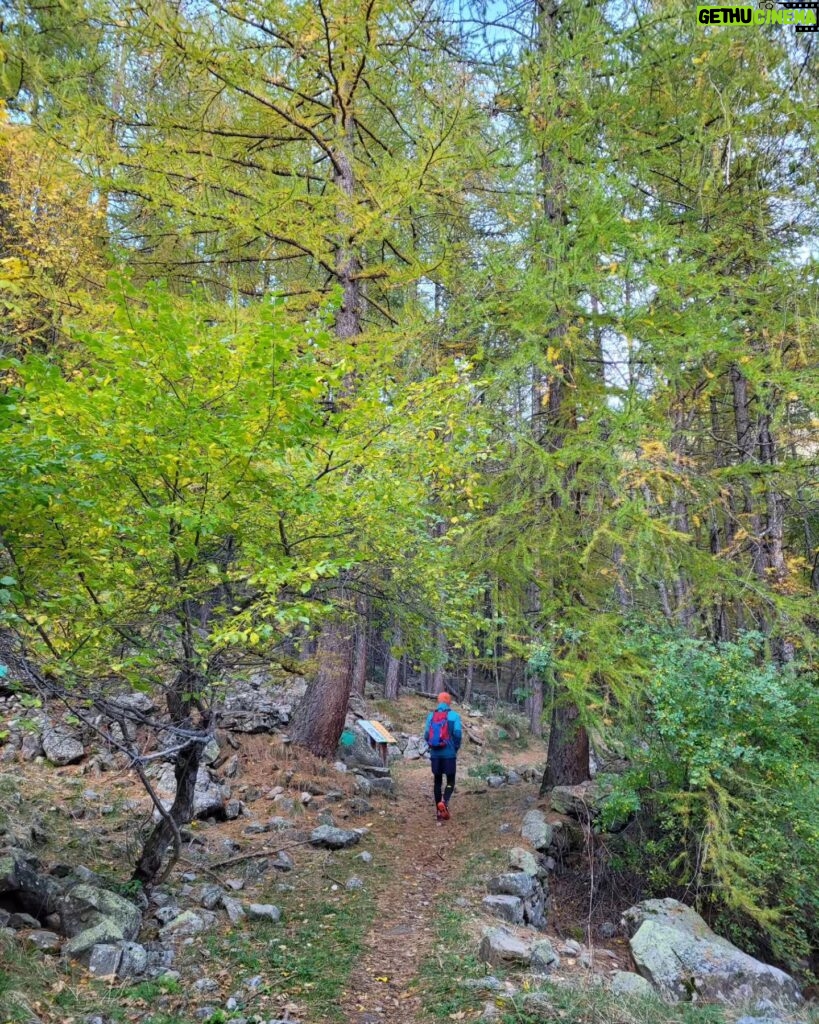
point(423, 858)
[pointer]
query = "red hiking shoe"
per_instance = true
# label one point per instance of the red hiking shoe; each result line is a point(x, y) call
point(443, 811)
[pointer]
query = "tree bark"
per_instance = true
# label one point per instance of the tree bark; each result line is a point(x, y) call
point(186, 768)
point(470, 676)
point(360, 658)
point(567, 762)
point(391, 679)
point(319, 719)
point(536, 705)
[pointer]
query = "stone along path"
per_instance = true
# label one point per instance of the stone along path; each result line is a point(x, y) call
point(423, 860)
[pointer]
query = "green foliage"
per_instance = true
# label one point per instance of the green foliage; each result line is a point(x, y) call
point(732, 776)
point(485, 769)
point(187, 463)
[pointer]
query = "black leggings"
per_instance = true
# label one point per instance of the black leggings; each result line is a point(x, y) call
point(443, 766)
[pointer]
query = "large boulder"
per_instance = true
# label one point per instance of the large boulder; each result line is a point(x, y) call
point(537, 830)
point(85, 906)
point(61, 745)
point(680, 955)
point(500, 947)
point(21, 878)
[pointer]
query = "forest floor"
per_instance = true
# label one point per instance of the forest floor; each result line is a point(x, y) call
point(393, 949)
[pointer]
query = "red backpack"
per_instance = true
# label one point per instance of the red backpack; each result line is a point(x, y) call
point(439, 730)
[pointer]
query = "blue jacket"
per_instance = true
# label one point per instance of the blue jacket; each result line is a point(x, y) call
point(455, 733)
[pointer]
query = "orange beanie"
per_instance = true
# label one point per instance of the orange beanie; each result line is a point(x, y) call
point(444, 698)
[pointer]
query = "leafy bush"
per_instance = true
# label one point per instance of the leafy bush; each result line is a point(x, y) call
point(731, 771)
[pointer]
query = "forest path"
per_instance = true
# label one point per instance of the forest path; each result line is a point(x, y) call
point(423, 859)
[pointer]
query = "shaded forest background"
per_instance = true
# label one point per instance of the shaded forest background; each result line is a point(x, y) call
point(465, 346)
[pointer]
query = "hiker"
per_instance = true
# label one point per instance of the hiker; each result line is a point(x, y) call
point(443, 735)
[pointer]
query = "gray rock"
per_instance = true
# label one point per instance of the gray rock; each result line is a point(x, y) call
point(363, 786)
point(514, 883)
point(264, 912)
point(83, 906)
point(211, 751)
point(415, 748)
point(538, 1005)
point(209, 797)
point(106, 933)
point(187, 924)
point(495, 781)
point(491, 1012)
point(354, 883)
point(235, 884)
point(103, 960)
point(544, 957)
point(48, 942)
point(234, 909)
point(678, 953)
point(488, 984)
point(383, 786)
point(231, 1004)
point(523, 860)
point(233, 810)
point(366, 857)
point(537, 830)
point(534, 909)
point(210, 897)
point(31, 746)
point(20, 874)
point(134, 960)
point(334, 838)
point(168, 911)
point(578, 802)
point(278, 824)
point(764, 1020)
point(61, 745)
point(625, 983)
point(205, 985)
point(22, 920)
point(513, 778)
point(507, 908)
point(607, 930)
point(283, 861)
point(500, 947)
point(259, 704)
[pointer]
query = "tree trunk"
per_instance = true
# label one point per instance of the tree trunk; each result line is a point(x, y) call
point(567, 761)
point(536, 705)
point(391, 679)
point(470, 676)
point(360, 659)
point(319, 719)
point(186, 767)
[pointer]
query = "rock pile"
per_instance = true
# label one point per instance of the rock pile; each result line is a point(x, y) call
point(520, 895)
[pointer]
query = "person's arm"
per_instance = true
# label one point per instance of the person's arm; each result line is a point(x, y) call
point(426, 728)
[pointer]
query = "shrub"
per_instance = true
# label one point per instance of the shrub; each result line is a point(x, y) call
point(731, 768)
